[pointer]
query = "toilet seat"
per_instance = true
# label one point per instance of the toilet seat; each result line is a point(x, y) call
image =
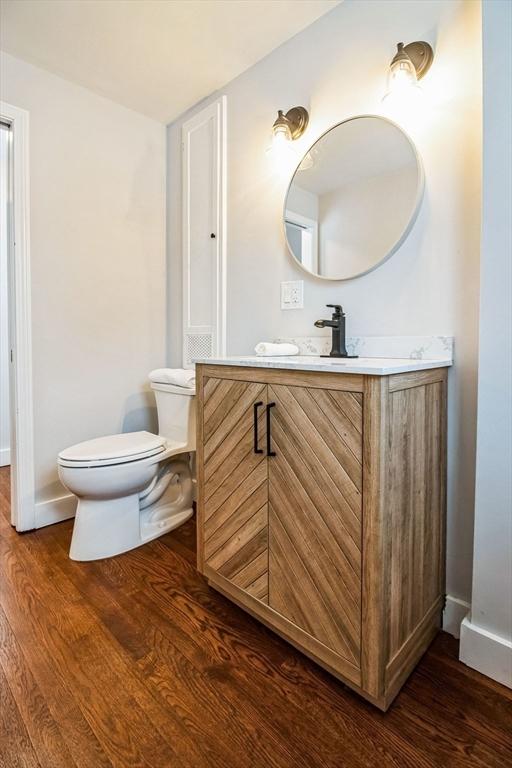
point(113, 449)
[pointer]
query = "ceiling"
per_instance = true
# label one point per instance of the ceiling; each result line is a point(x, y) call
point(158, 57)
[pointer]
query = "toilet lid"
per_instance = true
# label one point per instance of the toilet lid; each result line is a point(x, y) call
point(115, 448)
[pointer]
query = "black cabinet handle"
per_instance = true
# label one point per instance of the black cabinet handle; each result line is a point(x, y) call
point(255, 407)
point(270, 452)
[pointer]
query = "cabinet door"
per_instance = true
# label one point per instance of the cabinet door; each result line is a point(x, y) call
point(235, 488)
point(315, 510)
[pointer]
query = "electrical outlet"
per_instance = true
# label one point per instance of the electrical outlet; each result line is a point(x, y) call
point(292, 294)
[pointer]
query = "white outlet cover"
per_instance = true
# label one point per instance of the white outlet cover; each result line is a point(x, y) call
point(292, 294)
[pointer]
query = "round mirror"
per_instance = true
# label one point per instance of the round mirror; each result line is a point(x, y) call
point(353, 198)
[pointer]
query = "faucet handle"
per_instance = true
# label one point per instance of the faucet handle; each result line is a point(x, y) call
point(337, 307)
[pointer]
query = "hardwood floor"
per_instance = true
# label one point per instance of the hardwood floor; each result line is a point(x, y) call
point(135, 661)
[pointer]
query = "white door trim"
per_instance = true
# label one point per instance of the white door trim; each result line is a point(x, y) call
point(22, 436)
point(216, 111)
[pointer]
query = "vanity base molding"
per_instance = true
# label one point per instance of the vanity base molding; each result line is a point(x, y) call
point(321, 512)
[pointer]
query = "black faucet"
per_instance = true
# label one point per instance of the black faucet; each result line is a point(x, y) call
point(337, 323)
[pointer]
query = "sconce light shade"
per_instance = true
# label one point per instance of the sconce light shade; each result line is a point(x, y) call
point(290, 126)
point(410, 63)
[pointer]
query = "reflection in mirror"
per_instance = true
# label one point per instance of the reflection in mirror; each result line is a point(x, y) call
point(353, 198)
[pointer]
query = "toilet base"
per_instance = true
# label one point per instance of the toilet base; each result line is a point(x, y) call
point(105, 527)
point(152, 530)
point(108, 527)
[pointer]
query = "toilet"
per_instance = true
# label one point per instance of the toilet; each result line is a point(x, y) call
point(136, 486)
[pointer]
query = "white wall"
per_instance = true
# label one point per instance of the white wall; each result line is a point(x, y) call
point(337, 68)
point(350, 241)
point(97, 220)
point(486, 640)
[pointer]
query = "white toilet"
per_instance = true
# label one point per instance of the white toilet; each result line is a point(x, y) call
point(135, 486)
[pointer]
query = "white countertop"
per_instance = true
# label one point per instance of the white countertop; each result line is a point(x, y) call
point(374, 366)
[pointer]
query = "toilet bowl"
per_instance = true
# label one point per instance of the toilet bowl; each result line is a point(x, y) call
point(136, 486)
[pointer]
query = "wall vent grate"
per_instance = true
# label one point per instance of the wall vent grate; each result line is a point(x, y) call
point(198, 345)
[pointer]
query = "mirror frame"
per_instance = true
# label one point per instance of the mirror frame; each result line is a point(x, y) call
point(416, 208)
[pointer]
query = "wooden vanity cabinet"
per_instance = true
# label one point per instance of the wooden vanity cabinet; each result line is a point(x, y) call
point(321, 511)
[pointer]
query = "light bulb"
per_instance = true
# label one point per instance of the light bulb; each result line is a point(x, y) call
point(281, 132)
point(402, 78)
point(281, 151)
point(285, 130)
point(402, 75)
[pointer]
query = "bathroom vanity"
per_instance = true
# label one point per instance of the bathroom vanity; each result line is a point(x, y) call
point(321, 505)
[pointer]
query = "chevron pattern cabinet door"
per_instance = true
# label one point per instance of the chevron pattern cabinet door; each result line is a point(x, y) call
point(315, 514)
point(236, 484)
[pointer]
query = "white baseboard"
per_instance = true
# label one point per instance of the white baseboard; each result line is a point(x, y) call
point(486, 652)
point(5, 457)
point(55, 510)
point(454, 612)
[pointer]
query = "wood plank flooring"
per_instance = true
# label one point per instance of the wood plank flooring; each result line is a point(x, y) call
point(135, 661)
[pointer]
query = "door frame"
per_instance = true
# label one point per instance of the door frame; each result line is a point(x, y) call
point(20, 331)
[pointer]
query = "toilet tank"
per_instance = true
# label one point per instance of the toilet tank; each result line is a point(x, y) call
point(176, 407)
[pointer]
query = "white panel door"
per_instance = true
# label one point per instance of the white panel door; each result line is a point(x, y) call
point(204, 233)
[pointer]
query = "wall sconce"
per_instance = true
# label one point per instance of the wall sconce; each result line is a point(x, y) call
point(290, 126)
point(410, 63)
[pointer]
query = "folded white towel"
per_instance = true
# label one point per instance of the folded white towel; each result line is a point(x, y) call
point(180, 377)
point(270, 349)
